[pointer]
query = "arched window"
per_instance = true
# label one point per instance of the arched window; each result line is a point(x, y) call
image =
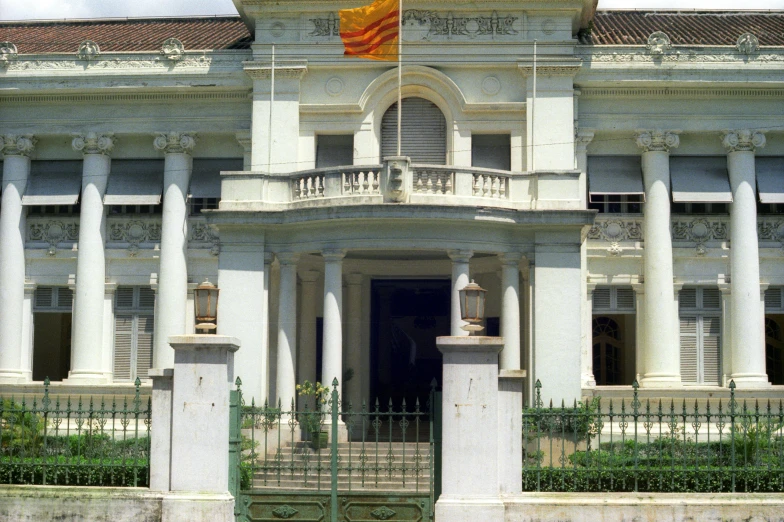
point(423, 132)
point(607, 351)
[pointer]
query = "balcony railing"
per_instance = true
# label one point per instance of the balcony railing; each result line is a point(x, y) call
point(398, 181)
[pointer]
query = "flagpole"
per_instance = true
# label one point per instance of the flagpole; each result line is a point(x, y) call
point(272, 102)
point(533, 122)
point(399, 73)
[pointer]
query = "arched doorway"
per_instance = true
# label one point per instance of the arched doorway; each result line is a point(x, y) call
point(607, 351)
point(423, 132)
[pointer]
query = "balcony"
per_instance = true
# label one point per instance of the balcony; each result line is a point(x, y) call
point(398, 181)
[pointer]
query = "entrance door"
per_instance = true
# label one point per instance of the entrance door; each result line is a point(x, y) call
point(407, 316)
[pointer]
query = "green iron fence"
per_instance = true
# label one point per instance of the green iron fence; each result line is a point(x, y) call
point(58, 440)
point(654, 446)
point(325, 450)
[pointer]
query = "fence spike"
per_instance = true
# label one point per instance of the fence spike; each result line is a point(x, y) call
point(47, 382)
point(238, 382)
point(335, 382)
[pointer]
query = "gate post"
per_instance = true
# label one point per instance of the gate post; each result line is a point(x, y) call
point(470, 430)
point(510, 431)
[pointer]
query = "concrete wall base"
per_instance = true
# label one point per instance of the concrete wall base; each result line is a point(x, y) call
point(643, 507)
point(469, 509)
point(94, 504)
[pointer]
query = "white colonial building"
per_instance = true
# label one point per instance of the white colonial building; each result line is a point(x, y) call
point(143, 156)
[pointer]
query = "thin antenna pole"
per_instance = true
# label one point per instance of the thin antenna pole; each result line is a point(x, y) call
point(533, 121)
point(272, 104)
point(399, 73)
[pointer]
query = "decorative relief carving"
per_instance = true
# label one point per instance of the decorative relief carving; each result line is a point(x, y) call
point(175, 142)
point(747, 44)
point(53, 232)
point(204, 234)
point(334, 86)
point(17, 145)
point(93, 143)
point(88, 50)
point(8, 53)
point(616, 230)
point(134, 232)
point(123, 61)
point(173, 49)
point(743, 140)
point(284, 511)
point(657, 140)
point(284, 69)
point(382, 513)
point(683, 55)
point(700, 231)
point(658, 43)
point(582, 138)
point(329, 26)
point(491, 86)
point(771, 229)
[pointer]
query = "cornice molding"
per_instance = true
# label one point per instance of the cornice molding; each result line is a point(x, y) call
point(124, 98)
point(677, 92)
point(683, 54)
point(551, 67)
point(284, 69)
point(124, 61)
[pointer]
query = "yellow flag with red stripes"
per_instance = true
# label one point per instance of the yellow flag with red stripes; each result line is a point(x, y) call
point(372, 31)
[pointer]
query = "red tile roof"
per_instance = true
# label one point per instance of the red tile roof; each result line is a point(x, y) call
point(228, 32)
point(687, 27)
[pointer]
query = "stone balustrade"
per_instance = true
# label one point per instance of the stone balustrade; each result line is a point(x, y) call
point(423, 184)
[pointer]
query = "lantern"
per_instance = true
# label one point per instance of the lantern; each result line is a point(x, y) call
point(206, 307)
point(472, 307)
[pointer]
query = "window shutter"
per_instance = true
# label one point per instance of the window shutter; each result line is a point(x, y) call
point(689, 349)
point(711, 343)
point(123, 299)
point(146, 298)
point(711, 299)
point(123, 347)
point(144, 341)
point(624, 298)
point(44, 296)
point(687, 298)
point(64, 297)
point(773, 299)
point(423, 132)
point(601, 299)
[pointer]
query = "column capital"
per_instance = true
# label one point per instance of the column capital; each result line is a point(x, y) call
point(583, 137)
point(657, 140)
point(269, 257)
point(510, 258)
point(175, 142)
point(17, 144)
point(287, 258)
point(93, 142)
point(333, 255)
point(460, 256)
point(743, 140)
point(309, 276)
point(354, 278)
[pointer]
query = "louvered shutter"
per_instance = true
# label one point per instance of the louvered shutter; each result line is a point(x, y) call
point(687, 298)
point(146, 298)
point(711, 299)
point(773, 301)
point(711, 343)
point(123, 298)
point(601, 299)
point(144, 338)
point(64, 297)
point(689, 340)
point(423, 132)
point(44, 296)
point(624, 298)
point(123, 347)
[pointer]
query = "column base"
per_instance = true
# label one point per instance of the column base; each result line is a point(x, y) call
point(459, 508)
point(750, 380)
point(15, 377)
point(88, 377)
point(215, 507)
point(660, 380)
point(342, 430)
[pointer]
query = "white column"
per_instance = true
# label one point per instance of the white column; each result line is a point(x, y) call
point(286, 377)
point(510, 310)
point(460, 278)
point(661, 349)
point(583, 138)
point(354, 340)
point(16, 169)
point(639, 323)
point(306, 359)
point(173, 271)
point(332, 359)
point(588, 378)
point(87, 347)
point(748, 345)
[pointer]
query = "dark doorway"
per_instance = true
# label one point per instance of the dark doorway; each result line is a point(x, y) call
point(51, 346)
point(407, 316)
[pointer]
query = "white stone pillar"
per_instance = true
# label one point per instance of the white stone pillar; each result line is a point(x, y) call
point(748, 349)
point(661, 348)
point(202, 378)
point(510, 310)
point(306, 354)
point(460, 278)
point(332, 359)
point(588, 378)
point(16, 169)
point(87, 348)
point(160, 437)
point(510, 431)
point(583, 138)
point(353, 389)
point(639, 324)
point(469, 442)
point(286, 376)
point(173, 271)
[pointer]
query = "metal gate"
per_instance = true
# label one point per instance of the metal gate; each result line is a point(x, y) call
point(328, 461)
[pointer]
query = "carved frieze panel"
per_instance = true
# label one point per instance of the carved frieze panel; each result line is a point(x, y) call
point(700, 231)
point(747, 44)
point(134, 232)
point(8, 53)
point(88, 50)
point(658, 43)
point(53, 232)
point(203, 235)
point(679, 54)
point(771, 229)
point(173, 49)
point(616, 230)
